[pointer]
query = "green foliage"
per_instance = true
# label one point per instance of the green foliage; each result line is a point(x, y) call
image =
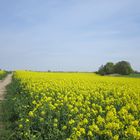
point(109, 68)
point(9, 116)
point(133, 75)
point(106, 69)
point(123, 67)
point(2, 74)
point(101, 70)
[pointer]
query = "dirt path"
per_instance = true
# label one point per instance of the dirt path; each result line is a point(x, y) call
point(3, 84)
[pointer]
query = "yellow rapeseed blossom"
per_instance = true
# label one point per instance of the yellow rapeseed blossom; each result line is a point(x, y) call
point(20, 126)
point(90, 133)
point(76, 106)
point(43, 113)
point(64, 127)
point(31, 114)
point(71, 121)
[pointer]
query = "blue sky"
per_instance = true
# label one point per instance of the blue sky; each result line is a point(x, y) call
point(70, 35)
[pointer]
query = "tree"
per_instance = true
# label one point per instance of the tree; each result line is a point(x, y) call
point(101, 70)
point(109, 68)
point(123, 67)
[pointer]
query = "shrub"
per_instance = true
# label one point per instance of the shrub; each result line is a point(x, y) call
point(123, 67)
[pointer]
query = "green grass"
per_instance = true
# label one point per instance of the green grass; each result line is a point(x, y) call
point(133, 75)
point(7, 115)
point(2, 76)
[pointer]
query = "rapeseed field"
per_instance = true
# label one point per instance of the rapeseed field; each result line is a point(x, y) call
point(76, 106)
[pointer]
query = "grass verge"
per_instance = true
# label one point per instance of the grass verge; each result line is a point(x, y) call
point(8, 115)
point(133, 75)
point(2, 76)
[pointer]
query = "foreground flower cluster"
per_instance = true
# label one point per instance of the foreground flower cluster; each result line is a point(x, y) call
point(76, 106)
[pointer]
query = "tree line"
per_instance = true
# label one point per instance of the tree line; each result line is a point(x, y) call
point(121, 67)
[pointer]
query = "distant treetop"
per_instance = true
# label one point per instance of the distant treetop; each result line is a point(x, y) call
point(122, 67)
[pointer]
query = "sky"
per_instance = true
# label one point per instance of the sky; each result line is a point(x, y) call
point(68, 35)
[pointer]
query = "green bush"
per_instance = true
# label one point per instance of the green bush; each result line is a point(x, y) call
point(122, 67)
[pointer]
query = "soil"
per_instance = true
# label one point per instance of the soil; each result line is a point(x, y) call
point(3, 84)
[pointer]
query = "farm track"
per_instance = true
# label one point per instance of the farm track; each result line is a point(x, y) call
point(3, 84)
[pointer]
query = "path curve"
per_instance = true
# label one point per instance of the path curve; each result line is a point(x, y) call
point(3, 84)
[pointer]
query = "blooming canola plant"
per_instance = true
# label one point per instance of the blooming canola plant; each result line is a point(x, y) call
point(76, 106)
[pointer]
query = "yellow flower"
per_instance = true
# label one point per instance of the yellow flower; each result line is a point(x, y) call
point(135, 123)
point(81, 116)
point(90, 133)
point(94, 128)
point(71, 121)
point(55, 120)
point(64, 127)
point(31, 114)
point(100, 120)
point(131, 130)
point(43, 113)
point(78, 133)
point(85, 121)
point(55, 125)
point(34, 102)
point(27, 120)
point(74, 129)
point(82, 130)
point(116, 137)
point(41, 119)
point(20, 126)
point(76, 109)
